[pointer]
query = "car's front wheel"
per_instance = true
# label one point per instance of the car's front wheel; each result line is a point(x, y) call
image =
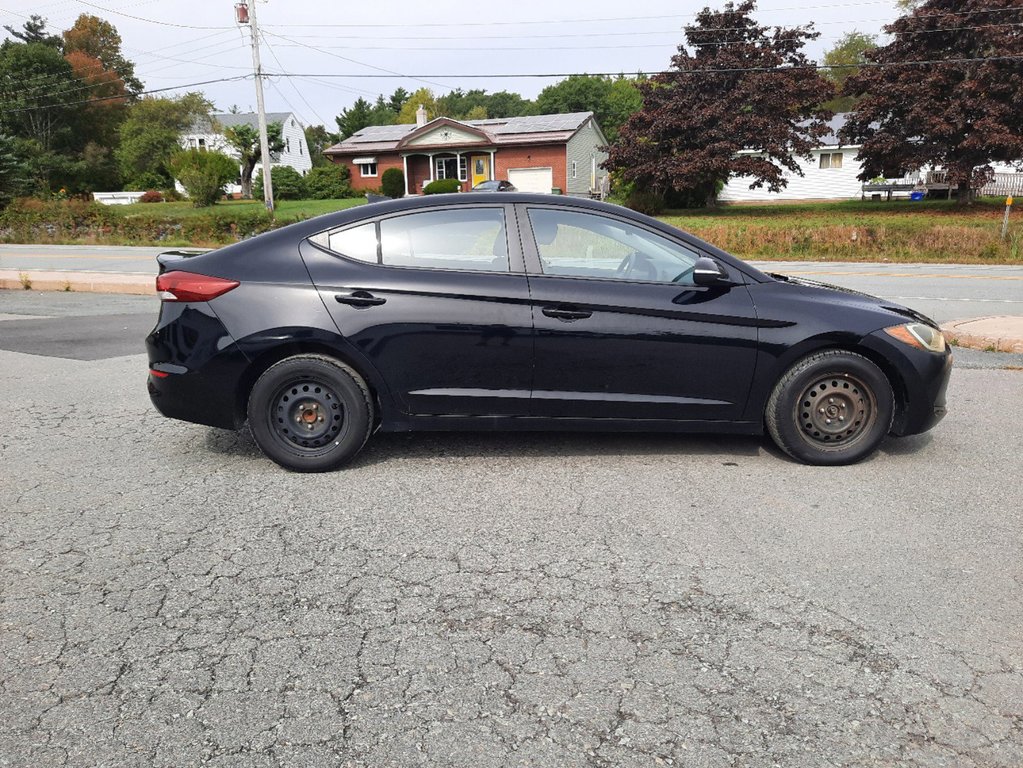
point(310, 413)
point(832, 407)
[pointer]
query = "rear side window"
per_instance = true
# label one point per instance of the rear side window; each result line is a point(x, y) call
point(355, 242)
point(460, 238)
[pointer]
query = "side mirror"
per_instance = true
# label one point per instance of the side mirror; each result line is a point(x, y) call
point(707, 272)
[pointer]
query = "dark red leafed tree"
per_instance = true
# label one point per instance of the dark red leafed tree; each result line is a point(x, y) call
point(744, 87)
point(960, 107)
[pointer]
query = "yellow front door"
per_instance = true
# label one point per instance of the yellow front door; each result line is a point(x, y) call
point(480, 169)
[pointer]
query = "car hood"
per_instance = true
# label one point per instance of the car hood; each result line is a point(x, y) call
point(852, 298)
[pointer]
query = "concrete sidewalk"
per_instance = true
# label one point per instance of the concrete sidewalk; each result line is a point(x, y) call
point(998, 333)
point(82, 282)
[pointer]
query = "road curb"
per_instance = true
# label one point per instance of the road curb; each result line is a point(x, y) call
point(77, 282)
point(998, 333)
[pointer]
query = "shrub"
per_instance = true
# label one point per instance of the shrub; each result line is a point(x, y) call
point(393, 183)
point(649, 203)
point(147, 180)
point(442, 186)
point(151, 196)
point(203, 174)
point(288, 184)
point(328, 182)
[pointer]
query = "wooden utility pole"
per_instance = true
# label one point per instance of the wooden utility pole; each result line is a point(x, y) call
point(249, 17)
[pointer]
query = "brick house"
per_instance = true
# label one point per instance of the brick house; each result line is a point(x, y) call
point(539, 153)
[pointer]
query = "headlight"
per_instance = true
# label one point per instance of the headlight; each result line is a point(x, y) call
point(918, 335)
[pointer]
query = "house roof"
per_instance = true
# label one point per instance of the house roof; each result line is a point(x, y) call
point(232, 119)
point(835, 124)
point(505, 130)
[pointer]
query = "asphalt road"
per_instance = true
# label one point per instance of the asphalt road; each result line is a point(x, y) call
point(168, 597)
point(941, 291)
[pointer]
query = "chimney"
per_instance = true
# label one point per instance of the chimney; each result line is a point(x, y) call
point(421, 116)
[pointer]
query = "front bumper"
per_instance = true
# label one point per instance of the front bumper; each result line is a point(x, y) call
point(924, 378)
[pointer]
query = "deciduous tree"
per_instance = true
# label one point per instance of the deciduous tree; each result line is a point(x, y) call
point(611, 100)
point(151, 135)
point(424, 97)
point(100, 40)
point(244, 139)
point(947, 91)
point(746, 103)
point(846, 58)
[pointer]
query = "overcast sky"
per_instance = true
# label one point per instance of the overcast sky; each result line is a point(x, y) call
point(443, 45)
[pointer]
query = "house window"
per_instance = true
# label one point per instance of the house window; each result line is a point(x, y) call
point(463, 168)
point(202, 145)
point(367, 170)
point(575, 174)
point(450, 168)
point(287, 145)
point(831, 160)
point(192, 144)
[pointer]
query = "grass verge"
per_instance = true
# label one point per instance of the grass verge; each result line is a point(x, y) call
point(900, 231)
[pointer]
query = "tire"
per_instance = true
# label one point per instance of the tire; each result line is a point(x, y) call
point(831, 408)
point(325, 399)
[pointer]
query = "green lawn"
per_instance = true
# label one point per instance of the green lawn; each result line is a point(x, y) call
point(287, 210)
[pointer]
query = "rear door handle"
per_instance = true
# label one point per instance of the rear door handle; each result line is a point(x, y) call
point(358, 298)
point(567, 313)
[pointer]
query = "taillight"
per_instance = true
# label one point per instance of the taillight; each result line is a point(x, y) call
point(188, 286)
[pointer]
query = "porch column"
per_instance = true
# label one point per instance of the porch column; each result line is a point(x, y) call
point(492, 169)
point(404, 163)
point(458, 173)
point(432, 169)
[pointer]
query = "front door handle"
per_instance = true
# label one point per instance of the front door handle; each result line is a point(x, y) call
point(358, 298)
point(567, 313)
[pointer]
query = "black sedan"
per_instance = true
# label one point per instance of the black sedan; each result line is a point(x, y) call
point(522, 313)
point(495, 186)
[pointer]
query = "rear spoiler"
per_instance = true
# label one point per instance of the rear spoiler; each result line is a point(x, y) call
point(168, 259)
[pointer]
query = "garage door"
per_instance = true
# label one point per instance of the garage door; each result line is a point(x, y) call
point(532, 179)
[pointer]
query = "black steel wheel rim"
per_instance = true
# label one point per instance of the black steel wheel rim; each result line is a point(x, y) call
point(835, 411)
point(307, 415)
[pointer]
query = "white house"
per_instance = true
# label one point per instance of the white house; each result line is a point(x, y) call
point(829, 174)
point(295, 154)
point(832, 173)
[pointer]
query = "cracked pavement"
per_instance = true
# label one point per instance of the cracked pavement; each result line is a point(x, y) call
point(171, 598)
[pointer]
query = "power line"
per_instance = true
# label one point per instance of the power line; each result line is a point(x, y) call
point(292, 84)
point(141, 93)
point(721, 43)
point(498, 75)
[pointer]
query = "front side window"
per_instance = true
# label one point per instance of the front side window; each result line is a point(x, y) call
point(368, 169)
point(466, 239)
point(358, 243)
point(574, 244)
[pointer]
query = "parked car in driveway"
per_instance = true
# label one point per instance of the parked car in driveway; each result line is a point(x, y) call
point(498, 185)
point(525, 311)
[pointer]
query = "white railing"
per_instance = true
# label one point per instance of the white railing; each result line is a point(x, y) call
point(1004, 184)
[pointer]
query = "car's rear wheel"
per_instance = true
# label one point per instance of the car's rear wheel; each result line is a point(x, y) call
point(831, 407)
point(310, 413)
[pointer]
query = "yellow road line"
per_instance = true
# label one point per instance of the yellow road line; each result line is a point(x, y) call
point(908, 274)
point(69, 256)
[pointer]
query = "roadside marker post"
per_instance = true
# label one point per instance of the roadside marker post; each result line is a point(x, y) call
point(1005, 220)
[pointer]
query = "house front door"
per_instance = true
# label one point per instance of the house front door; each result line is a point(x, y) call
point(480, 169)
